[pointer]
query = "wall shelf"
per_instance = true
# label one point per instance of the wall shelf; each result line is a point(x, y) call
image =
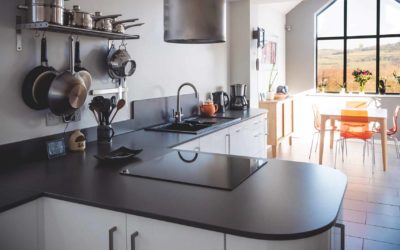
point(45, 26)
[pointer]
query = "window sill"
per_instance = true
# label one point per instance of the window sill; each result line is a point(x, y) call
point(354, 95)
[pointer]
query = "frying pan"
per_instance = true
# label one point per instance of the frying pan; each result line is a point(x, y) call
point(67, 91)
point(37, 82)
point(84, 73)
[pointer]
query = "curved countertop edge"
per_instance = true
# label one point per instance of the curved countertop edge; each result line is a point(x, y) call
point(33, 195)
point(239, 233)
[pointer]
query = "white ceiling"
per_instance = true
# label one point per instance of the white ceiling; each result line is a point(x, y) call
point(283, 6)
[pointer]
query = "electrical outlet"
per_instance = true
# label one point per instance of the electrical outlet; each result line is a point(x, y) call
point(53, 120)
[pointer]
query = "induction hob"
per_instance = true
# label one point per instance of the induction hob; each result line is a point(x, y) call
point(199, 169)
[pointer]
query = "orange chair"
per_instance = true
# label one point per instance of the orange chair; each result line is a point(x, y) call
point(355, 125)
point(391, 133)
point(317, 126)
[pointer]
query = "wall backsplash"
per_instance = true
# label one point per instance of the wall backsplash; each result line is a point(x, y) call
point(161, 67)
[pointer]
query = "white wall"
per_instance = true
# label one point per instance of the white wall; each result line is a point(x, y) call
point(300, 54)
point(273, 20)
point(161, 67)
point(242, 48)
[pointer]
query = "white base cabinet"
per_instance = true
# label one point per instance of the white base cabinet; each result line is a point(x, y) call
point(247, 138)
point(74, 226)
point(318, 242)
point(19, 227)
point(150, 234)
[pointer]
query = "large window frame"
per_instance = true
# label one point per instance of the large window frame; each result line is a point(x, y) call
point(345, 39)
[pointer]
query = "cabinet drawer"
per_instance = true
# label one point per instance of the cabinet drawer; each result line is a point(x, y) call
point(155, 235)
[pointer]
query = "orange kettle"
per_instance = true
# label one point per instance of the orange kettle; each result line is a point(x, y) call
point(209, 108)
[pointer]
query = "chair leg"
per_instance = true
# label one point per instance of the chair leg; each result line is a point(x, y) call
point(336, 151)
point(345, 145)
point(373, 155)
point(396, 144)
point(316, 145)
point(342, 148)
point(312, 143)
point(365, 142)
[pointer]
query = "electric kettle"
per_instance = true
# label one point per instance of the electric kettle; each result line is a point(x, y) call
point(222, 100)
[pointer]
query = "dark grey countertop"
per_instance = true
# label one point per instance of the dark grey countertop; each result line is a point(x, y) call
point(283, 200)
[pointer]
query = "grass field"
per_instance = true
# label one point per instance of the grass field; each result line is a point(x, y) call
point(330, 67)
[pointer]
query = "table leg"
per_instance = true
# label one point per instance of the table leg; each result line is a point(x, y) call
point(332, 134)
point(383, 125)
point(322, 138)
point(274, 149)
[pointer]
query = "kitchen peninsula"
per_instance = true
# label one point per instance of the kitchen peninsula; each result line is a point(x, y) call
point(78, 203)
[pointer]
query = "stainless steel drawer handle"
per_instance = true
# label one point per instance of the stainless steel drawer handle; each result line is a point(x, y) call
point(133, 238)
point(111, 238)
point(342, 234)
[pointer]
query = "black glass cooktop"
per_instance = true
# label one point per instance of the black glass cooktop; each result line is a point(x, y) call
point(200, 169)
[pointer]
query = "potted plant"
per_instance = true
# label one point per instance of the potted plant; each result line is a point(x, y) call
point(397, 77)
point(271, 82)
point(382, 86)
point(342, 88)
point(362, 77)
point(322, 86)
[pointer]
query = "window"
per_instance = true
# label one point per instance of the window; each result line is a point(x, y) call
point(359, 34)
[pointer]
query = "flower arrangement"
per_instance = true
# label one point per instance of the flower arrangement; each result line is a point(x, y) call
point(362, 77)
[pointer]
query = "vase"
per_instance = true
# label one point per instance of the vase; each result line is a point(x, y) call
point(270, 96)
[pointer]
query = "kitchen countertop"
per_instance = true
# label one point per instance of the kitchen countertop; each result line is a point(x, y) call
point(284, 200)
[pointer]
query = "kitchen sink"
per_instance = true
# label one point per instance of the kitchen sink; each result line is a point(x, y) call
point(194, 125)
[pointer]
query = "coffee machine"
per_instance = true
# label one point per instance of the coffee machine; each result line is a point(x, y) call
point(221, 98)
point(238, 97)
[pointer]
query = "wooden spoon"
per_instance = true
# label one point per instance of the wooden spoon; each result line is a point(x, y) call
point(120, 104)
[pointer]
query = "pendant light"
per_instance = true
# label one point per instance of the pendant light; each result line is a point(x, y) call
point(195, 21)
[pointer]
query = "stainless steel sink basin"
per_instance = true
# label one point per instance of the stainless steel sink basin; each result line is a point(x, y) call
point(194, 125)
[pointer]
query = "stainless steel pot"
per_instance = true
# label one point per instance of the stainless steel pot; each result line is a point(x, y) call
point(104, 23)
point(67, 91)
point(81, 19)
point(119, 26)
point(51, 11)
point(119, 63)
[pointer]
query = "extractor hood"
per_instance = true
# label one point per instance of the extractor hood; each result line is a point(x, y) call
point(195, 21)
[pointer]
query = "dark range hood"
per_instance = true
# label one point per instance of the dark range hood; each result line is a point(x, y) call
point(195, 21)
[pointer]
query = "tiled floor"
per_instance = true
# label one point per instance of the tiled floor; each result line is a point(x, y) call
point(371, 208)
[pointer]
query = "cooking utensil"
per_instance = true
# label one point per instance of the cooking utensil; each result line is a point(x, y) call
point(91, 108)
point(81, 19)
point(44, 11)
point(121, 103)
point(37, 82)
point(67, 91)
point(222, 100)
point(104, 23)
point(120, 63)
point(119, 27)
point(84, 73)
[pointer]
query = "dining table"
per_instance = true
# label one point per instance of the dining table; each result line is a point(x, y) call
point(333, 114)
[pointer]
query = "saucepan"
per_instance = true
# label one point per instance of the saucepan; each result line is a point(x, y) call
point(120, 27)
point(44, 11)
point(104, 23)
point(119, 62)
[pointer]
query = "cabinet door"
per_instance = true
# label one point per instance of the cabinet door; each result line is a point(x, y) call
point(73, 226)
point(149, 234)
point(318, 242)
point(240, 139)
point(216, 142)
point(193, 145)
point(18, 227)
point(288, 117)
